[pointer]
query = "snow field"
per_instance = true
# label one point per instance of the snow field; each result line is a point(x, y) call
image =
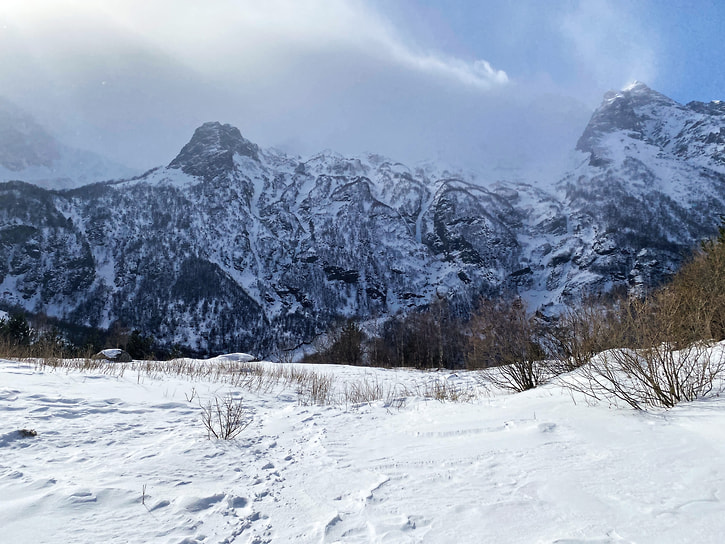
point(124, 457)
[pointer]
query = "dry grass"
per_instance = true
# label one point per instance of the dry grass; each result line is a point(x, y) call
point(311, 386)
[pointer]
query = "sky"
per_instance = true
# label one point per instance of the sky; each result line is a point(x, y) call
point(491, 85)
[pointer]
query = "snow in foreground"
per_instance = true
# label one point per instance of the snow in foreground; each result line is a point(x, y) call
point(126, 459)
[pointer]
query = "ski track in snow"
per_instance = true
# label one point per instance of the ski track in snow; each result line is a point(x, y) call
point(126, 459)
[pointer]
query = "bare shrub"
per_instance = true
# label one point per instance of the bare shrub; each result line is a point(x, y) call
point(224, 418)
point(284, 356)
point(370, 388)
point(365, 390)
point(310, 385)
point(505, 337)
point(191, 396)
point(663, 359)
point(666, 350)
point(582, 332)
point(444, 391)
point(700, 286)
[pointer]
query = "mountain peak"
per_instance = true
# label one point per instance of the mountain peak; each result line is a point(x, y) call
point(211, 151)
point(636, 86)
point(626, 110)
point(637, 95)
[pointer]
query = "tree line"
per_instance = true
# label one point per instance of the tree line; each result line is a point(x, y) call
point(39, 336)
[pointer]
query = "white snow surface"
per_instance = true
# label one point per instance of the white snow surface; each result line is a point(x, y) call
point(112, 352)
point(238, 357)
point(127, 459)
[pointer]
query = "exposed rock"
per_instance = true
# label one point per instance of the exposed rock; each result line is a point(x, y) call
point(113, 355)
point(210, 152)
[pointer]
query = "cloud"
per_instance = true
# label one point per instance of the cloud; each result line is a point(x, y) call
point(611, 43)
point(132, 79)
point(209, 36)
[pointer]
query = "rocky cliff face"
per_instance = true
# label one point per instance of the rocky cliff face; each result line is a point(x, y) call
point(232, 247)
point(653, 185)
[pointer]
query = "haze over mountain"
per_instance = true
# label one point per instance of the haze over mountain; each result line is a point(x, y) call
point(29, 153)
point(234, 247)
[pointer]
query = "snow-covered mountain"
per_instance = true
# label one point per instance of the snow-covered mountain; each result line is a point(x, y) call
point(652, 185)
point(233, 247)
point(29, 153)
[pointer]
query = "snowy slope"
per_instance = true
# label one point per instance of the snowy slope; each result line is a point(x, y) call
point(126, 459)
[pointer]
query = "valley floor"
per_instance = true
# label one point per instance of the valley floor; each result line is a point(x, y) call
point(127, 459)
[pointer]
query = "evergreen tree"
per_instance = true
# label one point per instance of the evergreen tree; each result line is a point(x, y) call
point(15, 330)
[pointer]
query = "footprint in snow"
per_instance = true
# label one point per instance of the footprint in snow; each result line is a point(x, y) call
point(238, 502)
point(547, 427)
point(197, 504)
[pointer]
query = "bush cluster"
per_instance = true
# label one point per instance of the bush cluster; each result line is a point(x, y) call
point(664, 342)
